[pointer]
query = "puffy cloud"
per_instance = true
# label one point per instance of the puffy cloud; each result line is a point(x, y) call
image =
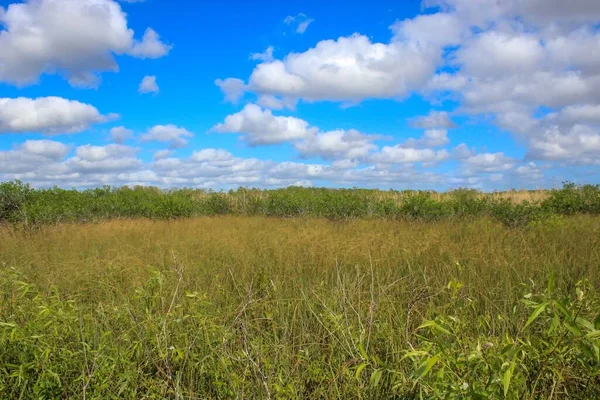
point(120, 134)
point(174, 135)
point(580, 113)
point(48, 115)
point(399, 155)
point(578, 144)
point(338, 144)
point(494, 53)
point(100, 159)
point(348, 69)
point(488, 162)
point(46, 148)
point(74, 38)
point(262, 127)
point(434, 120)
point(31, 156)
point(275, 103)
point(431, 138)
point(233, 88)
point(438, 29)
point(537, 12)
point(148, 85)
point(160, 154)
point(529, 171)
point(100, 153)
point(150, 46)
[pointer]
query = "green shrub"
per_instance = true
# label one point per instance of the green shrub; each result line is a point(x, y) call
point(19, 203)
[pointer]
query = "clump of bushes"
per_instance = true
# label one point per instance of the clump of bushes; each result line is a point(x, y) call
point(19, 203)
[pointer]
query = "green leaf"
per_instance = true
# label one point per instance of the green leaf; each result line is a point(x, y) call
point(573, 329)
point(425, 367)
point(376, 377)
point(434, 326)
point(563, 309)
point(536, 313)
point(362, 351)
point(584, 323)
point(595, 334)
point(415, 353)
point(597, 322)
point(507, 377)
point(360, 369)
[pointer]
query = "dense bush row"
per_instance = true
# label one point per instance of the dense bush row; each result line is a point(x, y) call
point(19, 203)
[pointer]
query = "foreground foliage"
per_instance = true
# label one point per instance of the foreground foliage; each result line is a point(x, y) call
point(19, 203)
point(237, 307)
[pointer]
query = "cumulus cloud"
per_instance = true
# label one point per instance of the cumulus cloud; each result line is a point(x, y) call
point(338, 144)
point(232, 88)
point(148, 85)
point(262, 127)
point(399, 155)
point(488, 162)
point(431, 138)
point(48, 115)
point(434, 120)
point(74, 38)
point(175, 136)
point(45, 148)
point(505, 61)
point(348, 69)
point(276, 103)
point(577, 144)
point(120, 134)
point(150, 46)
point(160, 154)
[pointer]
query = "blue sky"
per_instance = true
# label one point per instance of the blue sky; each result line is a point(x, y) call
point(429, 95)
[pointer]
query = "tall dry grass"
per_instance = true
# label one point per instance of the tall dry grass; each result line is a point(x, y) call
point(240, 307)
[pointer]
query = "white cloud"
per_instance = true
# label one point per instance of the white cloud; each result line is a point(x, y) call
point(262, 127)
point(174, 135)
point(494, 53)
point(488, 162)
point(580, 113)
point(349, 69)
point(46, 148)
point(578, 144)
point(434, 120)
point(399, 155)
point(432, 29)
point(267, 55)
point(160, 154)
point(300, 21)
point(48, 115)
point(74, 38)
point(101, 159)
point(233, 88)
point(338, 144)
point(214, 155)
point(120, 134)
point(430, 138)
point(150, 46)
point(101, 153)
point(275, 103)
point(148, 85)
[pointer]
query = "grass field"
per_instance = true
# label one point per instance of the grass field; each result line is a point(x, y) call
point(256, 307)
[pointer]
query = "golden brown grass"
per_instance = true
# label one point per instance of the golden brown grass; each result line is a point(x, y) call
point(251, 307)
point(76, 258)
